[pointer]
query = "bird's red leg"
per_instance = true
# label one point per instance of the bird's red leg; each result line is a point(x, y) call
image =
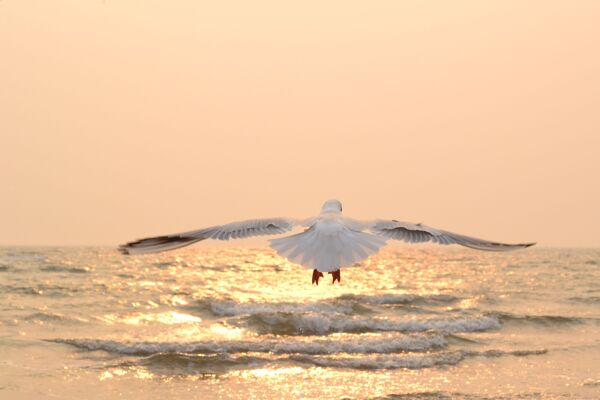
point(316, 276)
point(336, 276)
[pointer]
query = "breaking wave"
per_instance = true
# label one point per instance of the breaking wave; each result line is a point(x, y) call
point(218, 357)
point(345, 304)
point(314, 324)
point(196, 363)
point(221, 363)
point(367, 345)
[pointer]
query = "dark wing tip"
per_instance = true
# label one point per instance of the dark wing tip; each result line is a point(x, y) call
point(124, 249)
point(157, 244)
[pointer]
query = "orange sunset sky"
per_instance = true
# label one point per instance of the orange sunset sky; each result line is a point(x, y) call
point(123, 119)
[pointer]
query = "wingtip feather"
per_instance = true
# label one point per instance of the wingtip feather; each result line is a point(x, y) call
point(156, 244)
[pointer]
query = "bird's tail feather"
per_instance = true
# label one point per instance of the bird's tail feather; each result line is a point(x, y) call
point(327, 252)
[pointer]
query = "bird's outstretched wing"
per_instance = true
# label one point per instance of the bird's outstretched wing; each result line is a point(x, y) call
point(419, 233)
point(234, 230)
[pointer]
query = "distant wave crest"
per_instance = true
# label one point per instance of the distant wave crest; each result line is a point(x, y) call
point(64, 268)
point(546, 320)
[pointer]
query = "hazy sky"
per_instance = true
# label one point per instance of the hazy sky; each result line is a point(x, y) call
point(121, 119)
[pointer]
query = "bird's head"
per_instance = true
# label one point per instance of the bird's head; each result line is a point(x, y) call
point(332, 206)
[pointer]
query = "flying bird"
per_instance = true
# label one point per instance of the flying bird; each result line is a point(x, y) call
point(330, 241)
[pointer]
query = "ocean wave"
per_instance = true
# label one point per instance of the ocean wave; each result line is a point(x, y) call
point(21, 256)
point(314, 324)
point(460, 340)
point(592, 382)
point(587, 299)
point(367, 345)
point(425, 395)
point(19, 290)
point(177, 363)
point(345, 304)
point(231, 308)
point(501, 353)
point(399, 298)
point(547, 320)
point(38, 290)
point(218, 363)
point(383, 362)
point(63, 268)
point(411, 361)
point(45, 316)
point(440, 395)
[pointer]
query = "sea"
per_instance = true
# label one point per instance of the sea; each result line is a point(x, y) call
point(201, 323)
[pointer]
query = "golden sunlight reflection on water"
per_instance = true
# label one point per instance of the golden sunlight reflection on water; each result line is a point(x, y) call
point(168, 318)
point(437, 323)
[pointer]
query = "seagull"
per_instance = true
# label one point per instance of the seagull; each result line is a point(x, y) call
point(329, 242)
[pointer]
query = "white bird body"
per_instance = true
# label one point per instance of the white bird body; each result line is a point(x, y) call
point(330, 242)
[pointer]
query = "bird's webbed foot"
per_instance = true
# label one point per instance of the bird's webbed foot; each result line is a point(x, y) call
point(337, 276)
point(315, 277)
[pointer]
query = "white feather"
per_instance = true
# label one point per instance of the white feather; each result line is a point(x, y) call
point(328, 245)
point(331, 241)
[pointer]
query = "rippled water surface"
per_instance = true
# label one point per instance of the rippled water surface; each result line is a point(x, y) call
point(424, 323)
